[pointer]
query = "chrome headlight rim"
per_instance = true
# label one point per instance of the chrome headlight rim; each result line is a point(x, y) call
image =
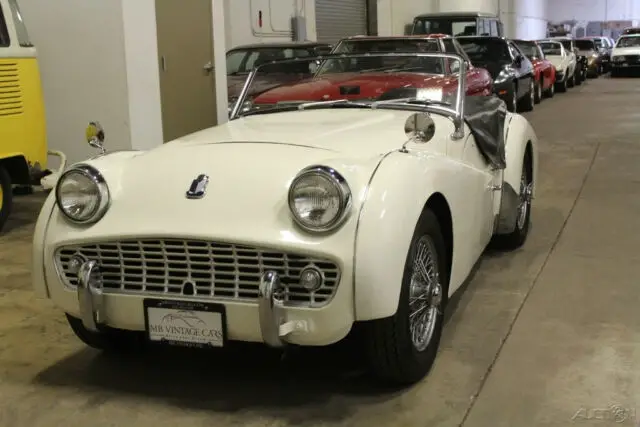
point(104, 196)
point(340, 183)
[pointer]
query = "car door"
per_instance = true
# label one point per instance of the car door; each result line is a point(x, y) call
point(520, 65)
point(483, 192)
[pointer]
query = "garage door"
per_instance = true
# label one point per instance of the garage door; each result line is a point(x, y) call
point(336, 19)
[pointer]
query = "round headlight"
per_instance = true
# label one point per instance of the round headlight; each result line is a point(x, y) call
point(82, 194)
point(319, 199)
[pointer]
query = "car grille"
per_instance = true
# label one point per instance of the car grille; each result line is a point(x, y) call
point(217, 271)
point(632, 59)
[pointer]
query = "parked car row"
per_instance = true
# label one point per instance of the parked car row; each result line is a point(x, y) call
point(520, 72)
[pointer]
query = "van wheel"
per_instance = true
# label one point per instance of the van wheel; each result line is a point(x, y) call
point(402, 348)
point(6, 196)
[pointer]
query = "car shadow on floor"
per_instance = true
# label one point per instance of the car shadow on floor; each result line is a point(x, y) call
point(243, 377)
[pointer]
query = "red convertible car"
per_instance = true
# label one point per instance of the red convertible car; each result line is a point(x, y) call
point(545, 72)
point(369, 78)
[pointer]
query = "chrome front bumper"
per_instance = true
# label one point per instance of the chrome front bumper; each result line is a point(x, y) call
point(274, 326)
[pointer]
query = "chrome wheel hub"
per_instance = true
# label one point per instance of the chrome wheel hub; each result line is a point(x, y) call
point(532, 92)
point(425, 293)
point(525, 200)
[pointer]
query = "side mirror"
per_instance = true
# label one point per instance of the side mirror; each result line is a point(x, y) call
point(313, 66)
point(95, 136)
point(518, 61)
point(420, 127)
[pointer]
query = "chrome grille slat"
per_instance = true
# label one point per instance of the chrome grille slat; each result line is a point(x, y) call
point(218, 271)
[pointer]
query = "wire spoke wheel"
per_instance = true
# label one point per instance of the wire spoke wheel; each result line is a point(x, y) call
point(525, 200)
point(425, 296)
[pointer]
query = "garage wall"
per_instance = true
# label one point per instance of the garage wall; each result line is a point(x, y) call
point(83, 78)
point(524, 19)
point(242, 17)
point(594, 10)
point(396, 16)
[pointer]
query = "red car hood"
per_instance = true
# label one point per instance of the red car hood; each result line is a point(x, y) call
point(353, 86)
point(260, 83)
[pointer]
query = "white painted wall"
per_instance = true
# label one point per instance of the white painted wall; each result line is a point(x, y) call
point(594, 10)
point(243, 26)
point(84, 76)
point(395, 15)
point(527, 19)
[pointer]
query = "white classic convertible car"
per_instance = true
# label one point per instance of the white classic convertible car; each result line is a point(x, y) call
point(289, 224)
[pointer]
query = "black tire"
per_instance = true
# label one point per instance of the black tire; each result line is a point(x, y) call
point(512, 103)
point(580, 77)
point(109, 340)
point(6, 196)
point(571, 81)
point(528, 102)
point(538, 89)
point(563, 85)
point(550, 93)
point(392, 354)
point(518, 236)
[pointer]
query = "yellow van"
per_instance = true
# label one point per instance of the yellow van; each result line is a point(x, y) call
point(23, 140)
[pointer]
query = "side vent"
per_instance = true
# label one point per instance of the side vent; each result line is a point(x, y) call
point(10, 91)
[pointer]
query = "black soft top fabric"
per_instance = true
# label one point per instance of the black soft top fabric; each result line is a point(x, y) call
point(485, 116)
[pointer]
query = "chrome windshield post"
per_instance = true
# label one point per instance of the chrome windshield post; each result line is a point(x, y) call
point(243, 94)
point(458, 120)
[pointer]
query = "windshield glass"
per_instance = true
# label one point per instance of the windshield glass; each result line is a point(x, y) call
point(585, 45)
point(445, 25)
point(352, 80)
point(241, 61)
point(406, 63)
point(628, 42)
point(566, 44)
point(530, 49)
point(551, 48)
point(485, 49)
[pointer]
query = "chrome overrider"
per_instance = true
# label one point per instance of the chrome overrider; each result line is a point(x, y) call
point(90, 296)
point(274, 326)
point(456, 113)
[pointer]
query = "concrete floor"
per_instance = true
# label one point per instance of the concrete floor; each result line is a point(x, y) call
point(545, 336)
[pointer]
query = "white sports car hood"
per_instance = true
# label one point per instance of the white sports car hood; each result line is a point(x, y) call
point(250, 163)
point(625, 51)
point(556, 60)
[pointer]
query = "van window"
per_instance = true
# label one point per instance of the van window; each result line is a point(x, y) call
point(494, 28)
point(21, 28)
point(484, 28)
point(4, 32)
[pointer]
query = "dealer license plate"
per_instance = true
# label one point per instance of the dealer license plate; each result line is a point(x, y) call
point(625, 65)
point(185, 323)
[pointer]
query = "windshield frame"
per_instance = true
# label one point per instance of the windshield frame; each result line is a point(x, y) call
point(456, 112)
point(401, 40)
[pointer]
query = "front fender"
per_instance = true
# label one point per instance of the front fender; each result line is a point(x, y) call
point(38, 277)
point(395, 198)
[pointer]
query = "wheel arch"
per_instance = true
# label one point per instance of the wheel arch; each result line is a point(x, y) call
point(17, 167)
